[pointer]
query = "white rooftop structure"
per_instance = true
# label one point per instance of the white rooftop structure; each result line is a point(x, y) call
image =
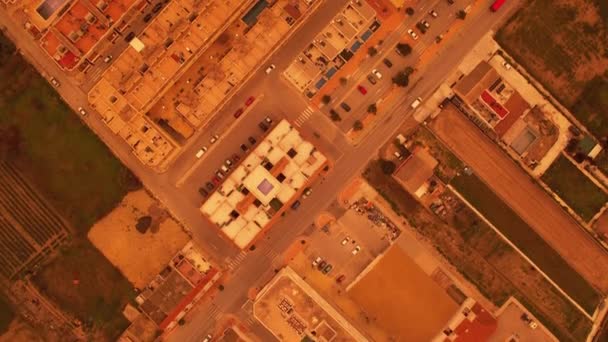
point(263, 184)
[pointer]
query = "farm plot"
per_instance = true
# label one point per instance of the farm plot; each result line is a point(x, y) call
point(564, 44)
point(572, 186)
point(29, 228)
point(526, 198)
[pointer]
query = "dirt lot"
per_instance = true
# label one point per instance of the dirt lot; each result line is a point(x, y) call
point(117, 238)
point(397, 294)
point(572, 186)
point(20, 331)
point(564, 44)
point(526, 198)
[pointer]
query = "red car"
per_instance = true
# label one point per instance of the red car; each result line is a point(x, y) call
point(238, 112)
point(249, 101)
point(216, 180)
point(362, 89)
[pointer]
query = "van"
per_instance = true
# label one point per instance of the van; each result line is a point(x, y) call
point(416, 103)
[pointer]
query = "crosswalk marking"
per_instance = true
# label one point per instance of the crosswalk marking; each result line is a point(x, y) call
point(237, 260)
point(306, 113)
point(213, 312)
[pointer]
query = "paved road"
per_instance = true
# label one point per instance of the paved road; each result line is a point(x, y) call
point(254, 268)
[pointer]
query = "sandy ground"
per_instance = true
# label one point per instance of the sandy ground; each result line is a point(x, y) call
point(138, 256)
point(528, 199)
point(398, 294)
point(19, 331)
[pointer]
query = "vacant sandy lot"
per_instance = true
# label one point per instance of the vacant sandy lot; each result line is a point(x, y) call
point(526, 198)
point(138, 256)
point(398, 295)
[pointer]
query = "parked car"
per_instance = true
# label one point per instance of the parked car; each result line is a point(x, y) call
point(270, 68)
point(252, 140)
point(214, 138)
point(387, 62)
point(412, 34)
point(377, 73)
point(107, 59)
point(201, 152)
point(345, 106)
point(209, 186)
point(362, 89)
point(356, 250)
point(263, 126)
point(244, 148)
point(345, 241)
point(216, 180)
point(416, 103)
point(130, 37)
point(433, 13)
point(157, 7)
point(54, 82)
point(203, 192)
point(295, 205)
point(228, 163)
point(219, 174)
point(316, 262)
point(307, 192)
point(327, 269)
point(208, 338)
point(82, 111)
point(224, 169)
point(340, 279)
point(371, 79)
point(235, 158)
point(148, 17)
point(268, 120)
point(451, 2)
point(249, 101)
point(238, 113)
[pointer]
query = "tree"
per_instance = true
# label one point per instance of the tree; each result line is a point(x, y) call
point(325, 99)
point(409, 11)
point(404, 49)
point(401, 79)
point(143, 223)
point(372, 51)
point(358, 125)
point(181, 322)
point(221, 287)
point(334, 116)
point(461, 14)
point(387, 166)
point(372, 108)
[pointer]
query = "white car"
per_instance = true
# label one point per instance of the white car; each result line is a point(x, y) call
point(82, 111)
point(356, 250)
point(270, 68)
point(345, 241)
point(316, 262)
point(434, 13)
point(506, 65)
point(412, 34)
point(377, 73)
point(228, 162)
point(214, 138)
point(107, 59)
point(201, 152)
point(54, 82)
point(208, 338)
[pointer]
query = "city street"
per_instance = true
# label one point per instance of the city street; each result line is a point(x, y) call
point(177, 188)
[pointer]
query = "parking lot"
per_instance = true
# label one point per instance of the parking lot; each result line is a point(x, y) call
point(349, 244)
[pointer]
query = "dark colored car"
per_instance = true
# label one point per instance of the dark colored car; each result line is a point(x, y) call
point(371, 79)
point(244, 148)
point(203, 192)
point(263, 126)
point(322, 264)
point(327, 268)
point(252, 140)
point(209, 186)
point(235, 158)
point(130, 37)
point(345, 106)
point(157, 7)
point(148, 17)
point(387, 62)
point(295, 205)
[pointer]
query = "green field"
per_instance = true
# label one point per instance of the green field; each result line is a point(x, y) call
point(527, 240)
point(572, 186)
point(82, 281)
point(65, 160)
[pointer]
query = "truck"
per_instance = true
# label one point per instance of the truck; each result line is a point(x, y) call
point(497, 5)
point(416, 103)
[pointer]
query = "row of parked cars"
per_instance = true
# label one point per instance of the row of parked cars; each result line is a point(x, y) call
point(230, 162)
